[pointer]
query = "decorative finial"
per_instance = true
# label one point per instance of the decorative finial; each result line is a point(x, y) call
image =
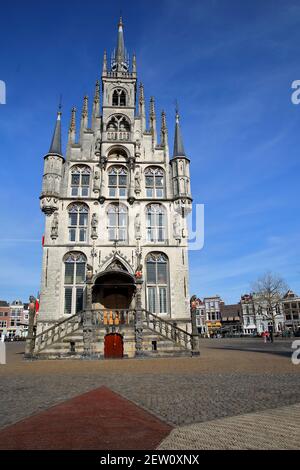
point(85, 106)
point(72, 127)
point(97, 92)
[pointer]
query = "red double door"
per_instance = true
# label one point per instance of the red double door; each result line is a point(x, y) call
point(113, 346)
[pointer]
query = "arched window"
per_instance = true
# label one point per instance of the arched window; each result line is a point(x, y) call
point(75, 266)
point(80, 181)
point(154, 182)
point(157, 283)
point(156, 223)
point(117, 222)
point(78, 222)
point(119, 97)
point(117, 181)
point(118, 128)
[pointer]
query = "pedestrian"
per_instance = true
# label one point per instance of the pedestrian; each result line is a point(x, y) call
point(264, 335)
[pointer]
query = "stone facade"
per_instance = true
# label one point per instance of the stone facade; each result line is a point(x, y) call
point(116, 203)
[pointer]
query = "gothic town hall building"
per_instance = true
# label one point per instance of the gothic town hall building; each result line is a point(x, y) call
point(115, 276)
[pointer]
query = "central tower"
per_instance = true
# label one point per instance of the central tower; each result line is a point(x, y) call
point(116, 236)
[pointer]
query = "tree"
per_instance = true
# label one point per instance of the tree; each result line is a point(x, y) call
point(267, 294)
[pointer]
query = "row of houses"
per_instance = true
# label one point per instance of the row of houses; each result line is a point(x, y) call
point(214, 317)
point(14, 319)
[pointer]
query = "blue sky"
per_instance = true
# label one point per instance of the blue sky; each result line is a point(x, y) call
point(230, 64)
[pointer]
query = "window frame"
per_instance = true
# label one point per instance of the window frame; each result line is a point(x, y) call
point(77, 284)
point(120, 212)
point(76, 230)
point(83, 190)
point(158, 287)
point(155, 190)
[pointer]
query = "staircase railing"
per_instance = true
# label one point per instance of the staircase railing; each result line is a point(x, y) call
point(113, 317)
point(168, 330)
point(57, 332)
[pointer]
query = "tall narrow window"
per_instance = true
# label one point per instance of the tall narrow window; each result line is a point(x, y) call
point(154, 182)
point(117, 181)
point(75, 265)
point(119, 98)
point(156, 223)
point(78, 222)
point(117, 222)
point(80, 181)
point(157, 283)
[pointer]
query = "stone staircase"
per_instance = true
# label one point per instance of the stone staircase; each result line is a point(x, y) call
point(65, 339)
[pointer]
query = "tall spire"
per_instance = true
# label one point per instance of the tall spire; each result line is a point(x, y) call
point(55, 146)
point(120, 59)
point(96, 103)
point(178, 142)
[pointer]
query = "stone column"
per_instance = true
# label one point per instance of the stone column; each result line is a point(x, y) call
point(30, 340)
point(138, 319)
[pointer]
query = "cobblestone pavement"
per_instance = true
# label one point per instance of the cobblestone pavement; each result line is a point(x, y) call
point(231, 377)
point(265, 430)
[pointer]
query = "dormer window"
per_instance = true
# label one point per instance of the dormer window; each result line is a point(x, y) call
point(119, 97)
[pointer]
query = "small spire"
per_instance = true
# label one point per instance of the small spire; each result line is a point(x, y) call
point(163, 129)
point(84, 113)
point(55, 146)
point(96, 104)
point(134, 63)
point(178, 142)
point(142, 113)
point(153, 121)
point(104, 68)
point(72, 128)
point(120, 59)
point(73, 120)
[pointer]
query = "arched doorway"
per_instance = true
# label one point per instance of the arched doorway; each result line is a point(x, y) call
point(114, 289)
point(113, 346)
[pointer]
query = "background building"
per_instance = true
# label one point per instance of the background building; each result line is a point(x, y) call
point(291, 311)
point(4, 318)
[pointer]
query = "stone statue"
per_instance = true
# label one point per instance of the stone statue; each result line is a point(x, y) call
point(89, 272)
point(94, 224)
point(176, 228)
point(54, 226)
point(97, 145)
point(137, 226)
point(97, 181)
point(137, 182)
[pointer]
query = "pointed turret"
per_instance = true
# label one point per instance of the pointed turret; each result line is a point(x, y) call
point(53, 169)
point(178, 150)
point(181, 172)
point(120, 61)
point(55, 146)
